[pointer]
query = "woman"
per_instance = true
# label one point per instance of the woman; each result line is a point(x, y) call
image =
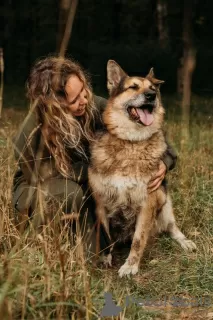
point(52, 145)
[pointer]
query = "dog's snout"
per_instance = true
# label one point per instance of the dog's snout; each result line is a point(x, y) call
point(150, 95)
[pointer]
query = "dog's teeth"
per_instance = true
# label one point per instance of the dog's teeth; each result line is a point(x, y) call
point(134, 113)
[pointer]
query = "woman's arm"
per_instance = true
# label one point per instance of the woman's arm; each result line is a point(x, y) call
point(168, 162)
point(169, 157)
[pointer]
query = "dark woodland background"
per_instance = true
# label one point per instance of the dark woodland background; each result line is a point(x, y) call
point(134, 33)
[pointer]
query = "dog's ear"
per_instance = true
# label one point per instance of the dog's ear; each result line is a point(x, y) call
point(114, 75)
point(151, 76)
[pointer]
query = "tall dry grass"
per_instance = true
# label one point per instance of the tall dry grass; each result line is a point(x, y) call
point(44, 276)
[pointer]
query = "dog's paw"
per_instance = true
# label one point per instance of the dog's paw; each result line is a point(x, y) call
point(127, 269)
point(188, 245)
point(106, 260)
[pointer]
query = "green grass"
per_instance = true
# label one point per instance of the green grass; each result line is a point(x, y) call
point(44, 277)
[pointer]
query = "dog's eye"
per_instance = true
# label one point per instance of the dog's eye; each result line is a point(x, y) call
point(134, 86)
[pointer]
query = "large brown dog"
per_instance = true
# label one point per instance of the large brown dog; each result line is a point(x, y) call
point(125, 158)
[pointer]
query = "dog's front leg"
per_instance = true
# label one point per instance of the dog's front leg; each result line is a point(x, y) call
point(103, 220)
point(144, 223)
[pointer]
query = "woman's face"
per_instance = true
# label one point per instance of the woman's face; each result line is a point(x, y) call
point(76, 96)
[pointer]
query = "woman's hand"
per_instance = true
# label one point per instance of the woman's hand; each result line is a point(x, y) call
point(155, 182)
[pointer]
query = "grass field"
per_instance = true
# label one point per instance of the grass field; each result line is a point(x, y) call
point(43, 277)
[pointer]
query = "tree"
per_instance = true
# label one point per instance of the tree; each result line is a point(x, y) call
point(2, 79)
point(64, 6)
point(189, 62)
point(162, 23)
point(67, 13)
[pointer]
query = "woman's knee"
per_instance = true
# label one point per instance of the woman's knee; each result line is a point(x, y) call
point(23, 197)
point(67, 192)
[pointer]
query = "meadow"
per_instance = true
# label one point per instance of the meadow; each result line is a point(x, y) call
point(43, 276)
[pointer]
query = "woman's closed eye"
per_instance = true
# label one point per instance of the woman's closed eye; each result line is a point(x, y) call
point(78, 96)
point(74, 101)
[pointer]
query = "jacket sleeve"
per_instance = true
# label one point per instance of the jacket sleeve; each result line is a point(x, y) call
point(100, 105)
point(26, 145)
point(169, 157)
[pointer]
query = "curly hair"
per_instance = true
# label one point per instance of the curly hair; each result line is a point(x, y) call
point(60, 130)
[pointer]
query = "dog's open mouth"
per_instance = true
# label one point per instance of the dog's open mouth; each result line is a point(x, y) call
point(143, 114)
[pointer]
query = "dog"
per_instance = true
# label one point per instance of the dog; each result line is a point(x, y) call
point(123, 160)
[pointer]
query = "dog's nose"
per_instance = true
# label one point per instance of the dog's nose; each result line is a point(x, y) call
point(150, 95)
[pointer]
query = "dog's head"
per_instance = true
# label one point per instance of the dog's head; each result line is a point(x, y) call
point(134, 110)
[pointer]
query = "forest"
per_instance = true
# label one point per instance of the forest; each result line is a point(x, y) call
point(139, 34)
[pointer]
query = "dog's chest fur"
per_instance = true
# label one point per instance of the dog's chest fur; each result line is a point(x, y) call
point(120, 172)
point(121, 158)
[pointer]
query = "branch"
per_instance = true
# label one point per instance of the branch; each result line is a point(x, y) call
point(68, 28)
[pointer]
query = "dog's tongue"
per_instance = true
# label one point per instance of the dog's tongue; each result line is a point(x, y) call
point(145, 116)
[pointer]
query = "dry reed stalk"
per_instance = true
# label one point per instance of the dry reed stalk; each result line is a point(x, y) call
point(70, 216)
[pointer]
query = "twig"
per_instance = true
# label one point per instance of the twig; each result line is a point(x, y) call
point(71, 216)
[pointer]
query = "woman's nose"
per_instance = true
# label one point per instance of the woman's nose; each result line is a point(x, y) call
point(83, 97)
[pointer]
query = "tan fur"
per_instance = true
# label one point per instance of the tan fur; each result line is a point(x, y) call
point(123, 160)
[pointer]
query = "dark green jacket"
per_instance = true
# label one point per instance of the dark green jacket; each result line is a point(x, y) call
point(37, 164)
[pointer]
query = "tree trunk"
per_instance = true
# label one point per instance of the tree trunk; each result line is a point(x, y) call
point(2, 79)
point(64, 6)
point(68, 28)
point(162, 23)
point(189, 62)
point(180, 77)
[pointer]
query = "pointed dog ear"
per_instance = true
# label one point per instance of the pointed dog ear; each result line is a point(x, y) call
point(114, 75)
point(157, 82)
point(151, 76)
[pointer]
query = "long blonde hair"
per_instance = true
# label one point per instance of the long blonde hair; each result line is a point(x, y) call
point(60, 130)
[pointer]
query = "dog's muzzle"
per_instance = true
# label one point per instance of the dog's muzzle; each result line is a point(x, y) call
point(150, 96)
point(140, 109)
